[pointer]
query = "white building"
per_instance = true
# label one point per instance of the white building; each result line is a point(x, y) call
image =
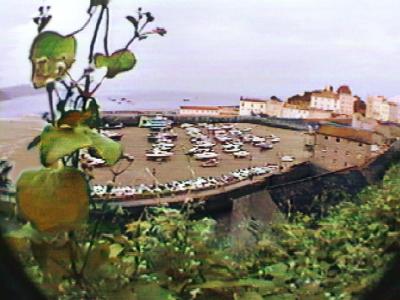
point(249, 107)
point(325, 100)
point(292, 111)
point(274, 107)
point(381, 109)
point(346, 100)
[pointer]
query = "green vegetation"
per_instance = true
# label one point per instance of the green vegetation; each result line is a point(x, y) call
point(165, 254)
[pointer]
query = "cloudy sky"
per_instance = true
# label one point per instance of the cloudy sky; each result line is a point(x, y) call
point(238, 47)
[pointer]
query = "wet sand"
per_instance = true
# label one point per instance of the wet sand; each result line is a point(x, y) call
point(16, 134)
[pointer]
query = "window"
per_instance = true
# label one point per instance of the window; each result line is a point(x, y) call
point(326, 137)
point(337, 140)
point(360, 144)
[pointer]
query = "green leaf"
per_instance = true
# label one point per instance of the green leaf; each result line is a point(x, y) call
point(53, 199)
point(115, 250)
point(98, 256)
point(118, 62)
point(105, 147)
point(53, 259)
point(93, 108)
point(19, 239)
point(51, 55)
point(278, 270)
point(152, 291)
point(59, 142)
point(73, 118)
point(218, 284)
point(281, 297)
point(26, 231)
point(250, 296)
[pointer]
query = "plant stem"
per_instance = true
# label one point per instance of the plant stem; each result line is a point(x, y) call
point(137, 34)
point(84, 25)
point(96, 31)
point(50, 89)
point(107, 30)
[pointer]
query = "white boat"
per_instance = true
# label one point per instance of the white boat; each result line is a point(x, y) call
point(275, 140)
point(164, 145)
point(162, 148)
point(205, 155)
point(210, 163)
point(116, 136)
point(113, 126)
point(241, 154)
point(226, 146)
point(237, 143)
point(155, 154)
point(247, 139)
point(287, 158)
point(219, 132)
point(87, 160)
point(264, 146)
point(246, 130)
point(232, 149)
point(205, 145)
point(223, 139)
point(186, 125)
point(257, 139)
point(235, 132)
point(196, 150)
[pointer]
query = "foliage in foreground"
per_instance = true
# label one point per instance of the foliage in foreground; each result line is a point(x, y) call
point(166, 255)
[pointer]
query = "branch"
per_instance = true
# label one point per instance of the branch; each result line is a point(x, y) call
point(137, 35)
point(98, 85)
point(50, 89)
point(96, 31)
point(85, 24)
point(107, 30)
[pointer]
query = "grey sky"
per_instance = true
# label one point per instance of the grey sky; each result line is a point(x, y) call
point(241, 47)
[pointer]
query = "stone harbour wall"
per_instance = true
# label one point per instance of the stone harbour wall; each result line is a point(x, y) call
point(133, 120)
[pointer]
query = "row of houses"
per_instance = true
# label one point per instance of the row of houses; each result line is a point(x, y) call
point(318, 104)
point(223, 111)
point(382, 109)
point(321, 104)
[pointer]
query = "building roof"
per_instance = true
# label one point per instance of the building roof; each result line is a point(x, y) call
point(325, 94)
point(344, 89)
point(200, 107)
point(362, 136)
point(253, 100)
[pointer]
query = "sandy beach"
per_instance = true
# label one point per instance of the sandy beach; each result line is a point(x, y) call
point(17, 133)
